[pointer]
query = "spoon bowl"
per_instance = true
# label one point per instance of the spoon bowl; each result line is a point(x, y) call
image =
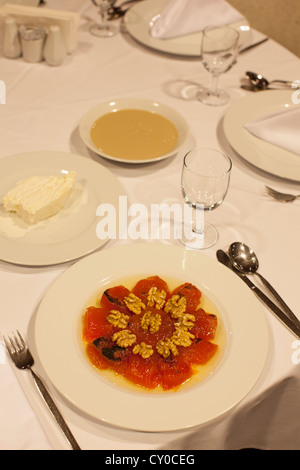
point(243, 258)
point(115, 12)
point(245, 261)
point(261, 83)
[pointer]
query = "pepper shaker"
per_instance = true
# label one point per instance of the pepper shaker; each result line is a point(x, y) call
point(55, 49)
point(11, 40)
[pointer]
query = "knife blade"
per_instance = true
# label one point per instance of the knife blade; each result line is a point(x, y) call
point(247, 48)
point(224, 259)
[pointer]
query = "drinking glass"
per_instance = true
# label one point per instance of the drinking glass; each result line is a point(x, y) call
point(218, 50)
point(204, 184)
point(105, 28)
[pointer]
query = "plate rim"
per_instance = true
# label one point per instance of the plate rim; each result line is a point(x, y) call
point(137, 422)
point(251, 148)
point(36, 256)
point(89, 117)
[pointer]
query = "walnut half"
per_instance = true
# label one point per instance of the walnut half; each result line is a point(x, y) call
point(143, 349)
point(118, 319)
point(166, 347)
point(156, 298)
point(124, 338)
point(153, 321)
point(134, 304)
point(176, 305)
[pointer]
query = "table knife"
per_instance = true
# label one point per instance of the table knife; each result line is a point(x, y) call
point(247, 48)
point(224, 259)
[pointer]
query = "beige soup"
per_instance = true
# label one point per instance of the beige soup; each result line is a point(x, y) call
point(134, 134)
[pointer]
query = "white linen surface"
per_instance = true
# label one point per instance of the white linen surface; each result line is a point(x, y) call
point(281, 129)
point(181, 17)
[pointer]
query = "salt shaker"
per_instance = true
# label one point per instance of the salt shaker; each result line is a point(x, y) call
point(55, 50)
point(11, 40)
point(32, 41)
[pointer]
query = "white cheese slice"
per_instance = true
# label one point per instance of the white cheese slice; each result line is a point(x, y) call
point(39, 197)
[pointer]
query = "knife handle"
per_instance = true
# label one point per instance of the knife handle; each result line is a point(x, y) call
point(275, 294)
point(54, 410)
point(268, 302)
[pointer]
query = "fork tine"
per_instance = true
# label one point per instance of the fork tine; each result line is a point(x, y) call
point(21, 341)
point(270, 190)
point(8, 344)
point(14, 343)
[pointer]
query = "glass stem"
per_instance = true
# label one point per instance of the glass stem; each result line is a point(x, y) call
point(198, 221)
point(214, 84)
point(103, 12)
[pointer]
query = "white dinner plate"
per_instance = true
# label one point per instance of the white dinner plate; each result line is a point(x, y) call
point(58, 341)
point(139, 18)
point(263, 155)
point(133, 103)
point(69, 234)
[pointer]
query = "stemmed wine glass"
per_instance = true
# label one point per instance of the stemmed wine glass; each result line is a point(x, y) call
point(204, 183)
point(219, 49)
point(105, 28)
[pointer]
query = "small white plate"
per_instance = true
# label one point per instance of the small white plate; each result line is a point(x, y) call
point(263, 155)
point(133, 103)
point(60, 350)
point(69, 234)
point(139, 18)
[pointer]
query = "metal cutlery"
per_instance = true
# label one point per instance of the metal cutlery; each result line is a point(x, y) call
point(247, 48)
point(256, 82)
point(224, 259)
point(116, 12)
point(283, 197)
point(23, 359)
point(245, 260)
point(261, 82)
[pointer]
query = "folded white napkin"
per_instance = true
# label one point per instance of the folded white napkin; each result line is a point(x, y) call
point(181, 17)
point(280, 128)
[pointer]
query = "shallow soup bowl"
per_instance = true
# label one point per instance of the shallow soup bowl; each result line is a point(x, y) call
point(175, 119)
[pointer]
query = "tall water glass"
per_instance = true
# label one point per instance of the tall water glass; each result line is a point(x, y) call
point(105, 28)
point(219, 50)
point(204, 183)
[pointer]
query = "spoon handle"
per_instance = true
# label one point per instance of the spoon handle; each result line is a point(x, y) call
point(275, 294)
point(224, 259)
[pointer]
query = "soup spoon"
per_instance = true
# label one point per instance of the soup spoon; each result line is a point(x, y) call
point(245, 261)
point(262, 83)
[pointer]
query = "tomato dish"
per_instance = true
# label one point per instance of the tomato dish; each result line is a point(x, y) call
point(155, 337)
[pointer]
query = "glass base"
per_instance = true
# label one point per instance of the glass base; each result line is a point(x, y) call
point(104, 31)
point(213, 99)
point(200, 241)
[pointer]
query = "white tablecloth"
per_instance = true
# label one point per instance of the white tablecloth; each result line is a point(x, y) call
point(43, 108)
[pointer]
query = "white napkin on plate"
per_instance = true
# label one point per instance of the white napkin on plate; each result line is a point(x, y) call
point(181, 17)
point(280, 128)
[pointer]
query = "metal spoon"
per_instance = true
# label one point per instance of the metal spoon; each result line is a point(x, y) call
point(245, 261)
point(246, 84)
point(262, 83)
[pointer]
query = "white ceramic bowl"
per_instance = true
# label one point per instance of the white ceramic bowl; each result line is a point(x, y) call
point(133, 103)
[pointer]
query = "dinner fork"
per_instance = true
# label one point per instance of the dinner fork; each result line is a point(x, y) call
point(283, 197)
point(22, 358)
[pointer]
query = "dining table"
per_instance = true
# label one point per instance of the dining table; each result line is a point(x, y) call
point(41, 113)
